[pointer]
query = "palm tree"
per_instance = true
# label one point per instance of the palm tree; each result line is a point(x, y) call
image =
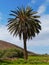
point(25, 24)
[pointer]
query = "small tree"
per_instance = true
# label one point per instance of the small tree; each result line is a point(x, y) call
point(24, 23)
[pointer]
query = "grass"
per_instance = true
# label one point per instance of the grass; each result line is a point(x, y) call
point(32, 60)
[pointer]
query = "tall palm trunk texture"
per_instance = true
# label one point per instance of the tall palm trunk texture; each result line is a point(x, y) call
point(25, 51)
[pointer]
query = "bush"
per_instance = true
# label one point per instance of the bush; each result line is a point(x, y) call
point(11, 53)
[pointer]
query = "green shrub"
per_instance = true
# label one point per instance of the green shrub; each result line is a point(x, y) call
point(11, 53)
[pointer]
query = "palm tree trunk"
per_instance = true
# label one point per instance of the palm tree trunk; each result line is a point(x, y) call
point(25, 51)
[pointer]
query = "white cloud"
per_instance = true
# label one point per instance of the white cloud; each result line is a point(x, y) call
point(41, 9)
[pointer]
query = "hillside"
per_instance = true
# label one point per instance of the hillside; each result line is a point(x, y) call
point(6, 45)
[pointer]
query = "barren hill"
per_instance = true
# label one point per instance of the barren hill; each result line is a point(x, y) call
point(7, 45)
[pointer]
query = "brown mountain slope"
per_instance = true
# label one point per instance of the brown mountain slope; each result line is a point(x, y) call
point(7, 45)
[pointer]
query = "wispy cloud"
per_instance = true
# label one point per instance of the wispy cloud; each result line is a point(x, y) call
point(33, 1)
point(41, 9)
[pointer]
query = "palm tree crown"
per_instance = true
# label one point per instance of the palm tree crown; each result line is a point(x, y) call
point(24, 23)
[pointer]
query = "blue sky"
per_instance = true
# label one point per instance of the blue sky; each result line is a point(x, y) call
point(39, 44)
